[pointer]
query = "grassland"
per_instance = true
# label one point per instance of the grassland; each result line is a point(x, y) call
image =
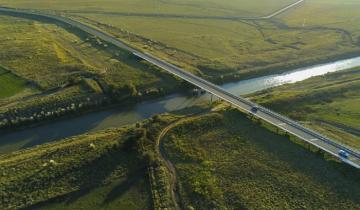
point(193, 7)
point(220, 49)
point(222, 159)
point(50, 56)
point(225, 161)
point(93, 171)
point(43, 61)
point(11, 85)
point(328, 103)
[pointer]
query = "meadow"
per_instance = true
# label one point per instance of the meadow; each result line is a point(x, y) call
point(189, 7)
point(50, 56)
point(46, 68)
point(329, 104)
point(11, 85)
point(224, 160)
point(193, 34)
point(91, 171)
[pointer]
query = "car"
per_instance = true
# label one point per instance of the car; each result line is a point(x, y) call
point(254, 109)
point(343, 154)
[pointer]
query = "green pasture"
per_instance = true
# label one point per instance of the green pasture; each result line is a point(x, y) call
point(225, 161)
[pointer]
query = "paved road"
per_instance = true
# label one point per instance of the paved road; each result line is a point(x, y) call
point(282, 122)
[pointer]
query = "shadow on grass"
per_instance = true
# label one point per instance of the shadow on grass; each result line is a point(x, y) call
point(124, 186)
point(301, 157)
point(89, 176)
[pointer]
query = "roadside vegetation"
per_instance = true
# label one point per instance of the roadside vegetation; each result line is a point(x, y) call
point(218, 49)
point(224, 160)
point(47, 71)
point(328, 103)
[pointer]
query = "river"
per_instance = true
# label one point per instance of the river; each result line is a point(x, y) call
point(116, 117)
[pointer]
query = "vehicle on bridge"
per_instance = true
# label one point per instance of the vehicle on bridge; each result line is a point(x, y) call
point(254, 109)
point(343, 154)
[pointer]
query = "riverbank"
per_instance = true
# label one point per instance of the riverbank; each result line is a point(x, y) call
point(116, 116)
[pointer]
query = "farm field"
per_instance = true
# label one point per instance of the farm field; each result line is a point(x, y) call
point(328, 103)
point(225, 161)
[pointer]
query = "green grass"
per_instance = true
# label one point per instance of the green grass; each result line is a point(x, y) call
point(51, 56)
point(329, 103)
point(225, 161)
point(92, 171)
point(221, 48)
point(217, 48)
point(331, 13)
point(10, 84)
point(193, 7)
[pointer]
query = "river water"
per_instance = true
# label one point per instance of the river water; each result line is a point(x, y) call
point(116, 117)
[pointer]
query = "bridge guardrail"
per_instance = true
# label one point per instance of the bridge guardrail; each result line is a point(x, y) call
point(180, 71)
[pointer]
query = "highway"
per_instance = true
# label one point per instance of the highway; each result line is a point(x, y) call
point(318, 140)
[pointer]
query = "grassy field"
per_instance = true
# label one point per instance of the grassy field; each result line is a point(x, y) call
point(328, 103)
point(217, 48)
point(11, 85)
point(44, 60)
point(225, 161)
point(193, 7)
point(334, 14)
point(50, 56)
point(93, 171)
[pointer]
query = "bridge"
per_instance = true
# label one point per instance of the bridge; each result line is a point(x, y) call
point(290, 126)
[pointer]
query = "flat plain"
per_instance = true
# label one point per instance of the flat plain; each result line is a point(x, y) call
point(198, 39)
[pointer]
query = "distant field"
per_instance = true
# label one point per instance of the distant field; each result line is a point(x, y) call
point(225, 161)
point(218, 48)
point(328, 103)
point(10, 84)
point(194, 7)
point(342, 14)
point(223, 49)
point(52, 56)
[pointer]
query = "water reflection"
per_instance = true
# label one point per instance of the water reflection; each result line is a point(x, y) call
point(261, 83)
point(126, 115)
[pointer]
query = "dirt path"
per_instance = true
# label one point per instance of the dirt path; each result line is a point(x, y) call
point(165, 158)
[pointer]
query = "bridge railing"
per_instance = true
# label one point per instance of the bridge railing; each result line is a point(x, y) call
point(319, 136)
point(268, 111)
point(188, 74)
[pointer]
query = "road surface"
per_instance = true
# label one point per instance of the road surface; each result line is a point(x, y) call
point(318, 140)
